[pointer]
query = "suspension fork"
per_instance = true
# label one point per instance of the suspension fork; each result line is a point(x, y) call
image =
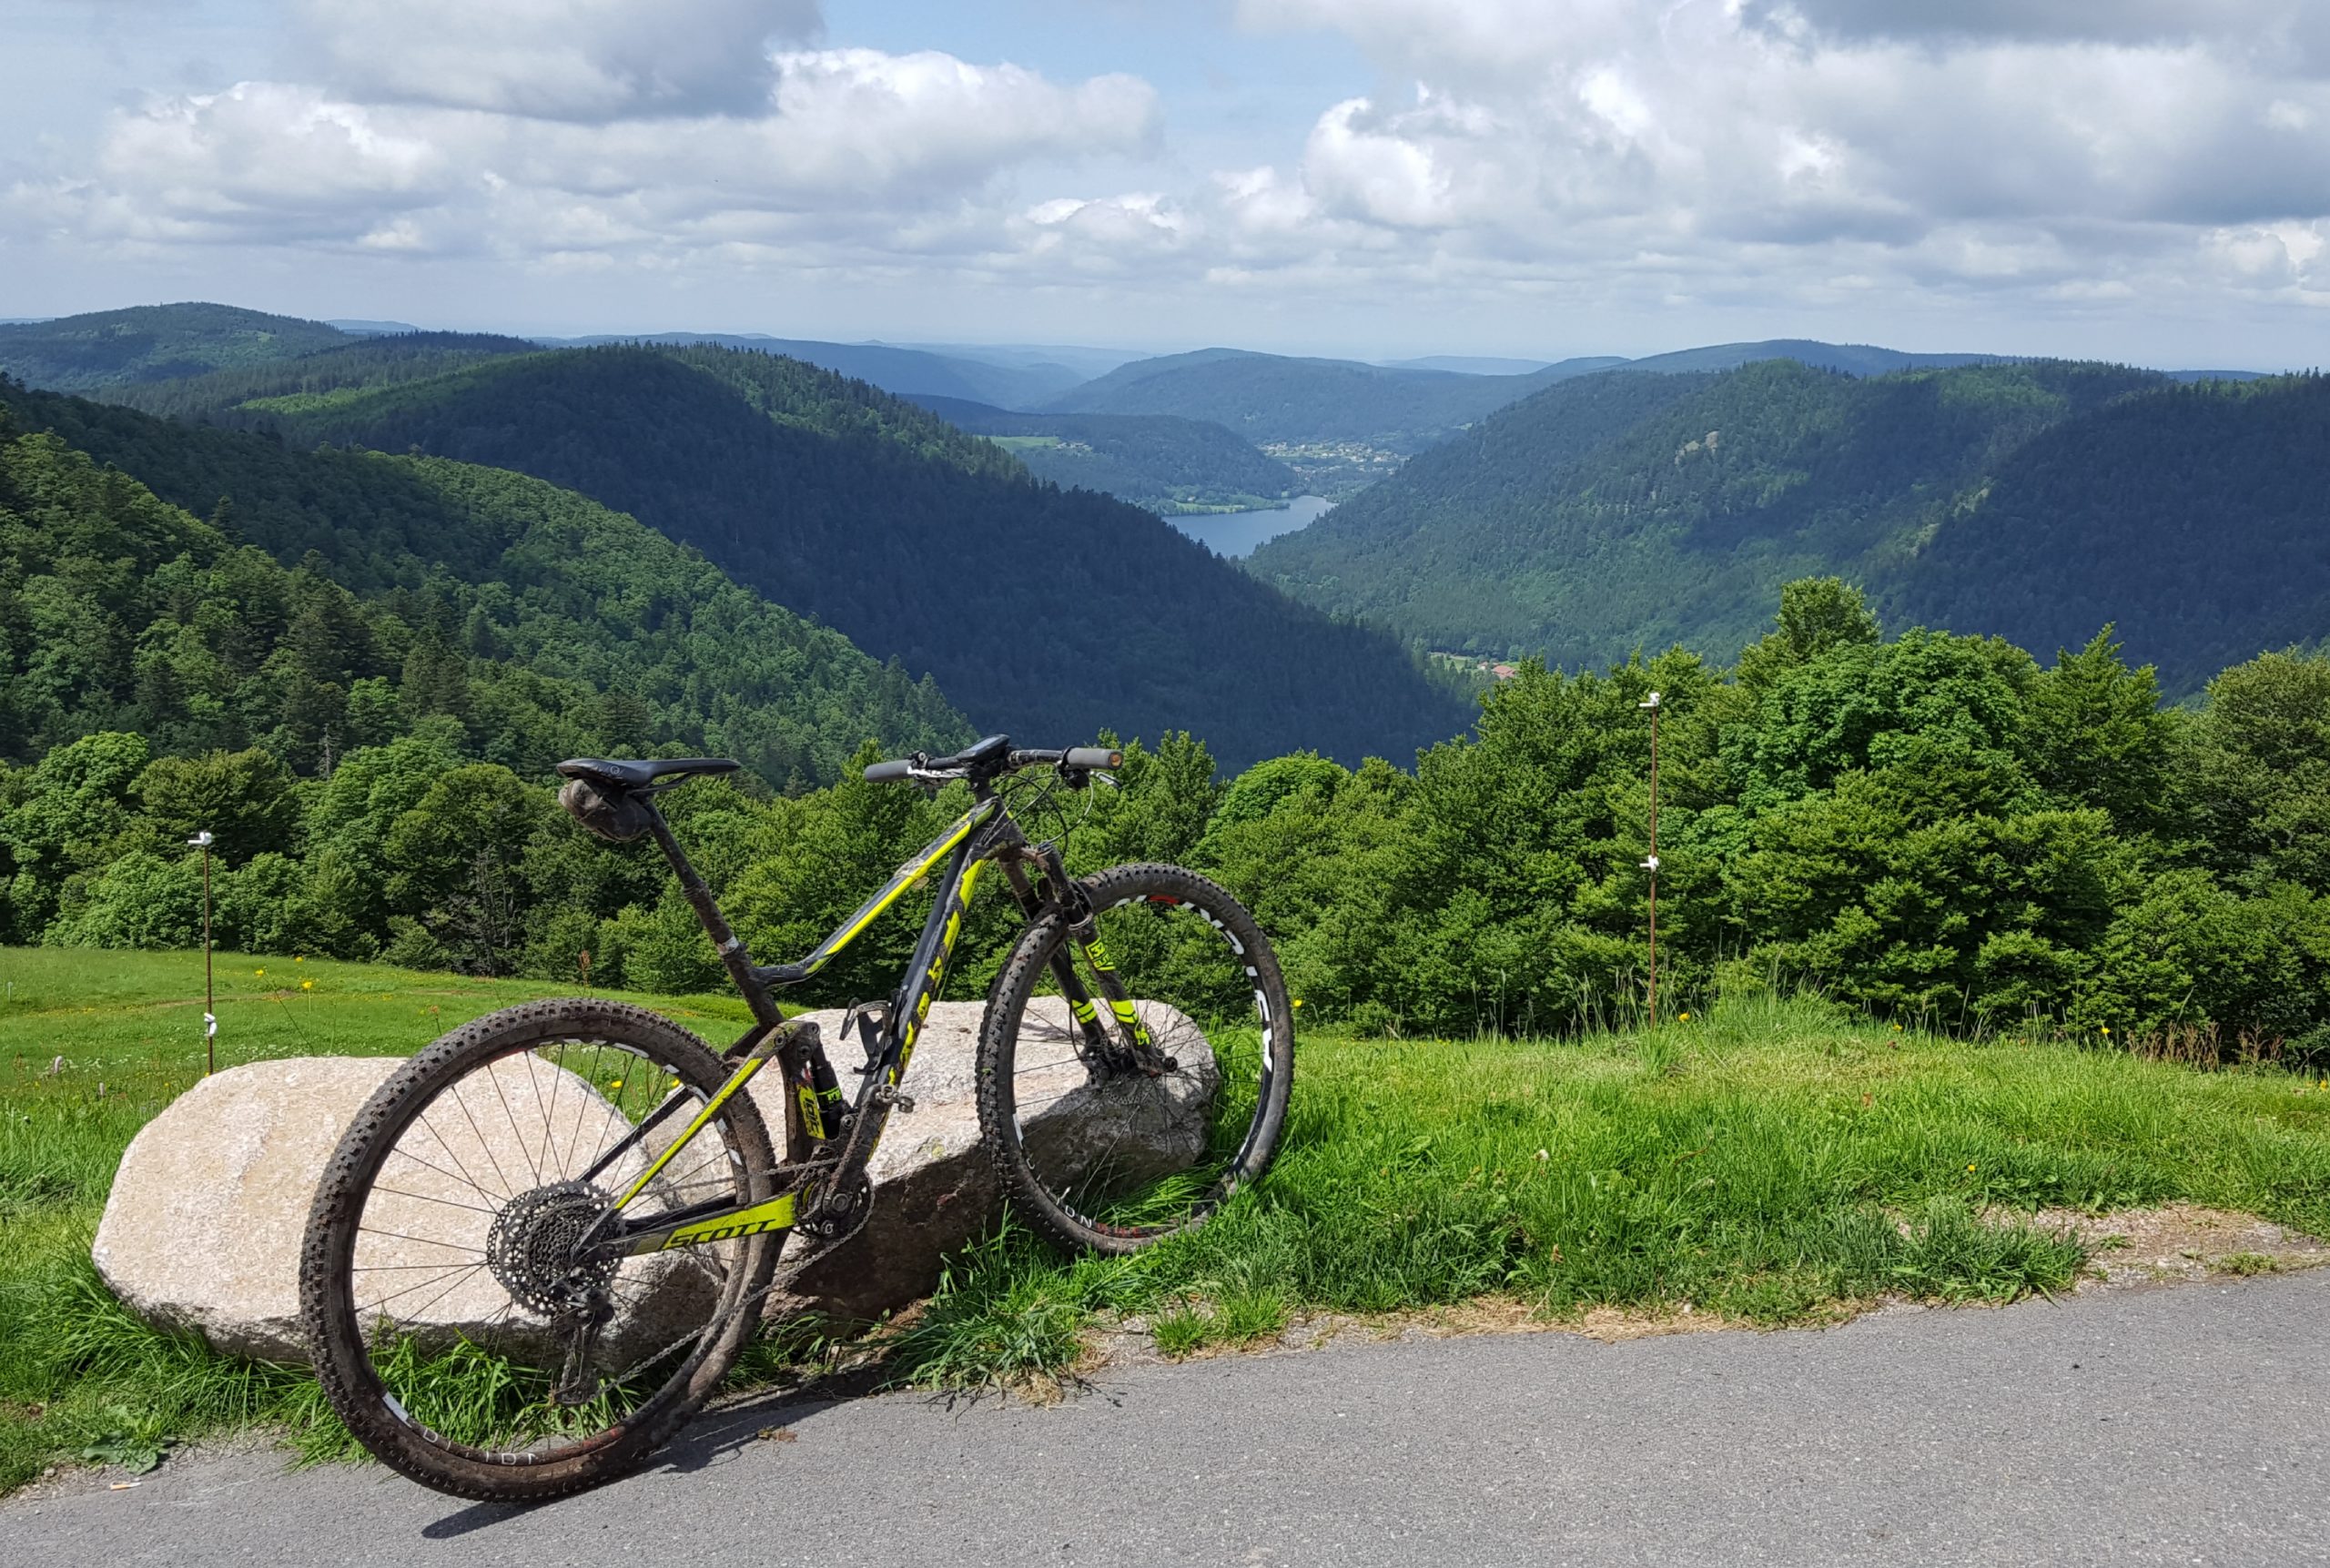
point(1127, 1047)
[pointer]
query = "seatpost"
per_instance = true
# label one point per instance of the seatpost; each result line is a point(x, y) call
point(731, 948)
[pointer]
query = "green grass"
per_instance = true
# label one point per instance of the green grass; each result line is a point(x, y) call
point(1766, 1163)
point(79, 1376)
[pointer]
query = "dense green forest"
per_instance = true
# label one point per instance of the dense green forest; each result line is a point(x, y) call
point(1160, 462)
point(2034, 500)
point(336, 601)
point(1930, 826)
point(1267, 399)
point(153, 343)
point(1048, 613)
point(2196, 517)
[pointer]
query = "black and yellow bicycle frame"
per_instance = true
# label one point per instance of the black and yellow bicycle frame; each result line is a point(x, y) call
point(831, 1141)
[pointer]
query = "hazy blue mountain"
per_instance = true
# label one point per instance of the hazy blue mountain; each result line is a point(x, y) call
point(1081, 361)
point(1477, 365)
point(1853, 359)
point(153, 343)
point(902, 371)
point(362, 329)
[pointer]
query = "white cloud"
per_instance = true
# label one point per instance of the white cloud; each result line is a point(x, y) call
point(562, 59)
point(1985, 144)
point(867, 139)
point(1587, 159)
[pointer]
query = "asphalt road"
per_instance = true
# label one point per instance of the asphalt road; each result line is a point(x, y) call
point(2183, 1424)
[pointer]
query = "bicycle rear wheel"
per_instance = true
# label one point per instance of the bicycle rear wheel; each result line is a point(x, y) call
point(458, 1329)
point(1113, 1132)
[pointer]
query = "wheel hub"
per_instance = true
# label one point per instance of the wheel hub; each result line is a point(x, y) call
point(531, 1248)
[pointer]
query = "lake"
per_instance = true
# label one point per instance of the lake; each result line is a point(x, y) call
point(1237, 532)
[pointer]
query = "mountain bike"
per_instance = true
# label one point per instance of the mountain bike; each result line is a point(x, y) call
point(545, 1240)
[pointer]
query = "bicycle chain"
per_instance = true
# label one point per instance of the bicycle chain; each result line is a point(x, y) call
point(786, 1273)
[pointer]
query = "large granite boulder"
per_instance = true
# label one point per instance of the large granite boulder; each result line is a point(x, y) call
point(935, 1189)
point(203, 1228)
point(204, 1225)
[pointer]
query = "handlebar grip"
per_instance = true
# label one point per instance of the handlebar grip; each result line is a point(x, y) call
point(1085, 758)
point(889, 773)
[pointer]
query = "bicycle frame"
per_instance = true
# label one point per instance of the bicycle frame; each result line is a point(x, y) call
point(815, 1185)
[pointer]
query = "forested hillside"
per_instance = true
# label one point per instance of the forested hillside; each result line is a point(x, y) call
point(2194, 518)
point(2036, 500)
point(338, 600)
point(1051, 615)
point(1160, 462)
point(152, 343)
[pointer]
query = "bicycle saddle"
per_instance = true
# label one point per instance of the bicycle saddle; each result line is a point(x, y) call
point(638, 774)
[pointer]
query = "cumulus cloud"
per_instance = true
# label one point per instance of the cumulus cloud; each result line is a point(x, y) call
point(2294, 31)
point(562, 59)
point(2086, 155)
point(1974, 143)
point(864, 139)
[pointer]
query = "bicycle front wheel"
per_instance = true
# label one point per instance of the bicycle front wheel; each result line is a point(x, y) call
point(1132, 1078)
point(463, 1327)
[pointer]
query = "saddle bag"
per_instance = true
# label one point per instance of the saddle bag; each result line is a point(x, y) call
point(616, 816)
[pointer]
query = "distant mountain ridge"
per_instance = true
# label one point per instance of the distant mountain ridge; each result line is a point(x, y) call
point(1160, 462)
point(1274, 399)
point(903, 371)
point(1473, 364)
point(153, 343)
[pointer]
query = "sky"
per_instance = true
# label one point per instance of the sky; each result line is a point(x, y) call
point(2144, 180)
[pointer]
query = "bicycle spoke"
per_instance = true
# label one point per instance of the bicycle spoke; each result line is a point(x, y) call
point(1146, 1135)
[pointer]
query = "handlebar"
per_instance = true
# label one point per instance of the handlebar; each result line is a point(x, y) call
point(987, 760)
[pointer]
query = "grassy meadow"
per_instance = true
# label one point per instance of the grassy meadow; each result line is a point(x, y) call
point(1768, 1162)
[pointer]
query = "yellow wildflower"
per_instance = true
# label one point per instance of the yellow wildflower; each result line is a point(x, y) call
point(259, 971)
point(307, 985)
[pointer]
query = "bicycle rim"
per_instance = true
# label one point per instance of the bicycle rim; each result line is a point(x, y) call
point(461, 1278)
point(1118, 1146)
